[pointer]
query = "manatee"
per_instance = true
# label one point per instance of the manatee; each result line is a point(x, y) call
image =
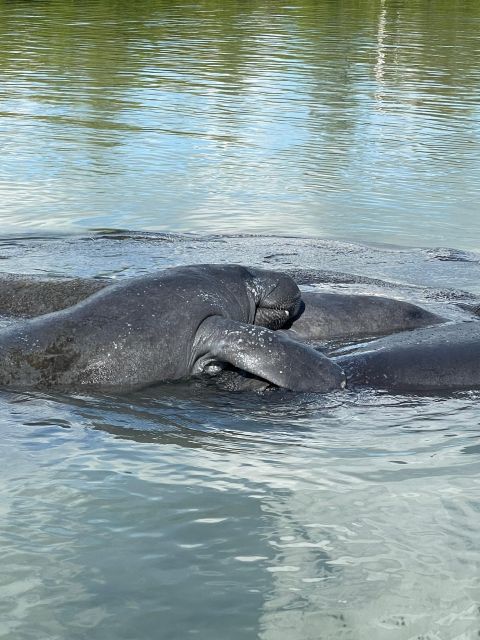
point(441, 358)
point(329, 316)
point(170, 325)
point(322, 316)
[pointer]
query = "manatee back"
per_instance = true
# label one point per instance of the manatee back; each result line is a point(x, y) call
point(430, 359)
point(329, 316)
point(127, 335)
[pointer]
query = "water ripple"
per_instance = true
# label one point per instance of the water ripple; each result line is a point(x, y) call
point(349, 122)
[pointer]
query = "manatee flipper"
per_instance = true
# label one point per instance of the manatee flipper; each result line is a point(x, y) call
point(268, 355)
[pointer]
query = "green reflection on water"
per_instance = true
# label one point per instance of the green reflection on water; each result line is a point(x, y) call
point(344, 119)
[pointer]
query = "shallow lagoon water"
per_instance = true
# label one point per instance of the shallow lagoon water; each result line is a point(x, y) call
point(184, 511)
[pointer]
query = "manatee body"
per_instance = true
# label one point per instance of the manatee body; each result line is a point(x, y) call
point(430, 359)
point(166, 326)
point(329, 316)
point(322, 316)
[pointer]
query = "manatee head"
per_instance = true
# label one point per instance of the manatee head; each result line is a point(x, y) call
point(277, 298)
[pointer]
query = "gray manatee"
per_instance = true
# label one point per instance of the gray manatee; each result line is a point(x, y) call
point(328, 316)
point(430, 359)
point(322, 316)
point(166, 326)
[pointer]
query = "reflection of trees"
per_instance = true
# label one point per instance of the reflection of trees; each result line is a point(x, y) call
point(259, 102)
point(361, 53)
point(108, 43)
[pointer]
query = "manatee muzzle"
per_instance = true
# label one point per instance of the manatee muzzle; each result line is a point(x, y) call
point(277, 318)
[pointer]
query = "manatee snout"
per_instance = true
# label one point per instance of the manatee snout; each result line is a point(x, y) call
point(278, 299)
point(276, 318)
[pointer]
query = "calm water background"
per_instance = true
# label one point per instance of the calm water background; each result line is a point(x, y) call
point(340, 119)
point(183, 511)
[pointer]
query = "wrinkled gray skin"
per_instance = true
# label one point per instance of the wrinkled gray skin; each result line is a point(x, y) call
point(167, 326)
point(328, 316)
point(430, 359)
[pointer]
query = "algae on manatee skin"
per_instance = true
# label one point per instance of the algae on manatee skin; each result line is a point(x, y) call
point(42, 367)
point(28, 296)
point(57, 358)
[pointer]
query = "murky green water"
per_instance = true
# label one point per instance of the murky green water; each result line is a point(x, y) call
point(340, 119)
point(183, 511)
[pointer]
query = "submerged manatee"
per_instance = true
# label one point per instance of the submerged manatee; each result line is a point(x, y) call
point(167, 326)
point(430, 359)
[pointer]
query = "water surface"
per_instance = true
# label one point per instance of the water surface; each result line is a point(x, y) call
point(336, 119)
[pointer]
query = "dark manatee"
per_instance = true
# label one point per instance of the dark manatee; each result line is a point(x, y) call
point(328, 316)
point(322, 316)
point(167, 326)
point(430, 359)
